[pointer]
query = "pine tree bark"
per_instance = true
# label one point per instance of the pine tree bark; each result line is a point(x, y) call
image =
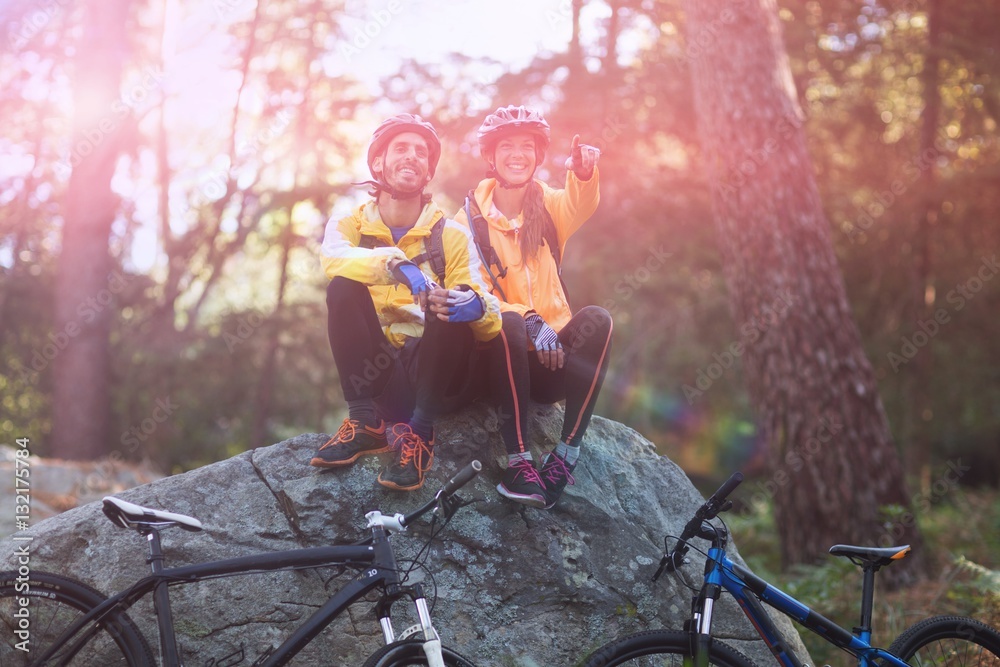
point(833, 468)
point(86, 284)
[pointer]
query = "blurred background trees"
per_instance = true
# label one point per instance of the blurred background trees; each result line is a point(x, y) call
point(239, 127)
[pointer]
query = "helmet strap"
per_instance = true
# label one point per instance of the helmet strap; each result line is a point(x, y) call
point(380, 185)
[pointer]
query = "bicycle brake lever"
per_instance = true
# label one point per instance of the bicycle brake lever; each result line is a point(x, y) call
point(671, 562)
point(659, 570)
point(448, 505)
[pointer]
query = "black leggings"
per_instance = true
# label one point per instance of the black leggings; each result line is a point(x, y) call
point(516, 374)
point(432, 372)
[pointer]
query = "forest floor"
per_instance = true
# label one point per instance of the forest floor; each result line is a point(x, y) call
point(962, 547)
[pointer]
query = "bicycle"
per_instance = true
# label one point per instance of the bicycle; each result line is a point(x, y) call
point(70, 623)
point(940, 640)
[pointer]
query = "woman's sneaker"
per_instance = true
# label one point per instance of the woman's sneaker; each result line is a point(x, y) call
point(555, 474)
point(349, 443)
point(521, 483)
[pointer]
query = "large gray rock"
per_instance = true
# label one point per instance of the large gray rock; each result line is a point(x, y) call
point(515, 586)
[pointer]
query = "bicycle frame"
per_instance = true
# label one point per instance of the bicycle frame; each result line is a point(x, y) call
point(749, 590)
point(382, 573)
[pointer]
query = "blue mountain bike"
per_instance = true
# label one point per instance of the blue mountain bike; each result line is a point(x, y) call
point(944, 641)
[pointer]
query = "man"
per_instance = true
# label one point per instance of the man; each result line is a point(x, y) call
point(403, 341)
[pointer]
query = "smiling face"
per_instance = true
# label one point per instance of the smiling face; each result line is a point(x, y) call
point(514, 158)
point(405, 166)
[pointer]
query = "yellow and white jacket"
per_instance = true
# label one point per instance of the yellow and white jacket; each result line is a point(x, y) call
point(535, 285)
point(342, 255)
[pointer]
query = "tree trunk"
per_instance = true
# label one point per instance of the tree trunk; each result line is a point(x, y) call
point(86, 284)
point(833, 468)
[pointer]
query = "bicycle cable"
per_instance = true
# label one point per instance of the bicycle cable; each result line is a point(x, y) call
point(677, 571)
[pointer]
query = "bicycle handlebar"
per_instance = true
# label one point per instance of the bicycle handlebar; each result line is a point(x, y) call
point(719, 497)
point(718, 502)
point(461, 478)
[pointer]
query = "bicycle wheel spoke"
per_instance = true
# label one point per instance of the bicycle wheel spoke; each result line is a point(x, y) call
point(954, 653)
point(46, 621)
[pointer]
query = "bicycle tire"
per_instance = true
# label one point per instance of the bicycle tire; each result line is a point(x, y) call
point(410, 653)
point(949, 641)
point(654, 648)
point(53, 603)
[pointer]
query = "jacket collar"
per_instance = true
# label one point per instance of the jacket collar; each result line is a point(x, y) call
point(370, 222)
point(484, 197)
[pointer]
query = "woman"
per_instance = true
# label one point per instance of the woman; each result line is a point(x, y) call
point(544, 351)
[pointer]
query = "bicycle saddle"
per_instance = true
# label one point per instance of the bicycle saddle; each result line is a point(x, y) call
point(130, 515)
point(870, 555)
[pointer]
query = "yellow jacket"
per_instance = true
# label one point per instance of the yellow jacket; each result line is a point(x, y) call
point(535, 285)
point(399, 316)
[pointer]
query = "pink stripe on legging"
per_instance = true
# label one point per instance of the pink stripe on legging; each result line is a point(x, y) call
point(593, 384)
point(513, 392)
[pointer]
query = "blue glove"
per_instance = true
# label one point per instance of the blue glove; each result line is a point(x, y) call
point(410, 275)
point(540, 333)
point(464, 305)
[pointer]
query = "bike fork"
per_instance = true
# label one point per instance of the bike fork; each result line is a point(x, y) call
point(701, 628)
point(432, 642)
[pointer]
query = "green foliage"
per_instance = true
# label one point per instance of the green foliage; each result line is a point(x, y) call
point(251, 187)
point(966, 522)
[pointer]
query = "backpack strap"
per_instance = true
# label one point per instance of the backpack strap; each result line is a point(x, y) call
point(434, 251)
point(551, 238)
point(481, 235)
point(368, 241)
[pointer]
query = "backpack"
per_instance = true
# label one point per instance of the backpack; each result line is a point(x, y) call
point(433, 252)
point(481, 235)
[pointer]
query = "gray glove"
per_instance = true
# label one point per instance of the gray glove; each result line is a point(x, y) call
point(540, 333)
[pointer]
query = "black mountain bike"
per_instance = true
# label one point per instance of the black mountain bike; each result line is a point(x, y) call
point(49, 619)
point(942, 641)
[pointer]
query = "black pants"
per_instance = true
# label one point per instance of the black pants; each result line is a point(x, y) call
point(516, 374)
point(433, 372)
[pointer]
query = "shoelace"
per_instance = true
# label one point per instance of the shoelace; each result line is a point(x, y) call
point(345, 432)
point(412, 446)
point(526, 470)
point(555, 469)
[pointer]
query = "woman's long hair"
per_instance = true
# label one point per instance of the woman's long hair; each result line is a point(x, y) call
point(536, 217)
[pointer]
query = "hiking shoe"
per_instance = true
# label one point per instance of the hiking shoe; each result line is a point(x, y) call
point(350, 442)
point(555, 474)
point(522, 484)
point(413, 459)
